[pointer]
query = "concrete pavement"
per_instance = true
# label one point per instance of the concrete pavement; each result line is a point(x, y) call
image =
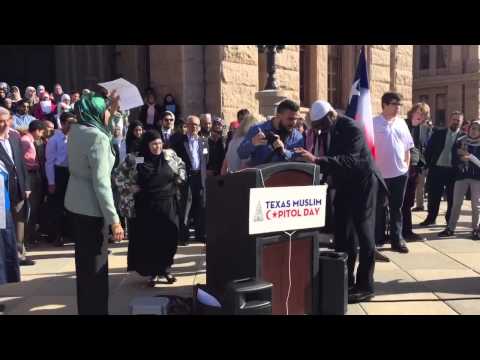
point(438, 277)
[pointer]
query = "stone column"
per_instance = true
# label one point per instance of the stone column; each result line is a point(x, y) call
point(472, 61)
point(379, 74)
point(167, 72)
point(472, 100)
point(454, 98)
point(238, 79)
point(456, 62)
point(319, 71)
point(288, 71)
point(401, 70)
point(193, 84)
point(130, 64)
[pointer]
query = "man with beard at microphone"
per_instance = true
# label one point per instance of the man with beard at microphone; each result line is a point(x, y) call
point(273, 140)
point(356, 180)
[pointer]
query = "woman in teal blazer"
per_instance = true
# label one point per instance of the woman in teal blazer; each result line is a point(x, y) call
point(89, 198)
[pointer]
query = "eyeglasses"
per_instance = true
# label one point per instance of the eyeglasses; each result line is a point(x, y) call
point(195, 125)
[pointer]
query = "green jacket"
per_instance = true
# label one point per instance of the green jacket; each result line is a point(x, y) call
point(90, 161)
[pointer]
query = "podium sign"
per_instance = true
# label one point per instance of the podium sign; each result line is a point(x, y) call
point(286, 208)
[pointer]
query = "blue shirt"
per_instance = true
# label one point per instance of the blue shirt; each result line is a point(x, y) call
point(261, 154)
point(56, 155)
point(194, 158)
point(21, 122)
point(4, 177)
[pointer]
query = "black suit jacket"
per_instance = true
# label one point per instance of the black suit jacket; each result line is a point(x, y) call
point(143, 115)
point(435, 146)
point(348, 159)
point(166, 143)
point(18, 174)
point(179, 143)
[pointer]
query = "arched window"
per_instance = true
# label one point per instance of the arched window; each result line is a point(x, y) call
point(441, 57)
point(334, 75)
point(424, 57)
point(305, 75)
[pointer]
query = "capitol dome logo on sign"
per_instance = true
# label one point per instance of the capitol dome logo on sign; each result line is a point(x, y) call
point(258, 213)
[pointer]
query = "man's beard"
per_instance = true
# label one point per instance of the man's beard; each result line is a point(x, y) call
point(284, 132)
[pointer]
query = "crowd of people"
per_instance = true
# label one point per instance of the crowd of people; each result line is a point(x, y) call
point(78, 170)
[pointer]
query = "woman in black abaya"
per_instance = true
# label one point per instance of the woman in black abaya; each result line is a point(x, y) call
point(154, 244)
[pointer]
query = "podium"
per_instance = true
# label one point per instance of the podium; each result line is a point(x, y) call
point(234, 254)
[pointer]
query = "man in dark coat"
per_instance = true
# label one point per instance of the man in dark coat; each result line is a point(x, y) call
point(356, 180)
point(193, 149)
point(11, 154)
point(417, 115)
point(441, 173)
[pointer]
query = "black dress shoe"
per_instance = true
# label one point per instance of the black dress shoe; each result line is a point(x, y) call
point(59, 242)
point(401, 247)
point(359, 296)
point(475, 235)
point(27, 262)
point(380, 257)
point(446, 233)
point(154, 280)
point(427, 222)
point(412, 237)
point(170, 278)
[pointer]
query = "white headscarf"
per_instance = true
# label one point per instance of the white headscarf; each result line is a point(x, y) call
point(65, 97)
point(27, 92)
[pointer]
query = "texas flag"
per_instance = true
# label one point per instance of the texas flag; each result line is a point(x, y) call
point(360, 104)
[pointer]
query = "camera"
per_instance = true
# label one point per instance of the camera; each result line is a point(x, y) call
point(271, 137)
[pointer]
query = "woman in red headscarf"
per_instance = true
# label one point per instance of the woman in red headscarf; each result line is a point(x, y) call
point(45, 109)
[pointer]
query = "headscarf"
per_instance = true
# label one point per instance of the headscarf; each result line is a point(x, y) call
point(133, 143)
point(91, 112)
point(5, 86)
point(169, 113)
point(17, 91)
point(65, 97)
point(28, 91)
point(147, 138)
point(159, 124)
point(46, 105)
point(40, 89)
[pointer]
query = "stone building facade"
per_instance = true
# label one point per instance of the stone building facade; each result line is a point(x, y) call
point(221, 79)
point(447, 77)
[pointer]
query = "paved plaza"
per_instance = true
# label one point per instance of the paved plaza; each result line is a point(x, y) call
point(438, 277)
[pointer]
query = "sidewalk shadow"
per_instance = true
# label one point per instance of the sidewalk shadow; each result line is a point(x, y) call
point(461, 286)
point(50, 256)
